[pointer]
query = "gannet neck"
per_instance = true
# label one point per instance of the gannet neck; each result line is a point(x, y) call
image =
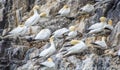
point(103, 38)
point(35, 11)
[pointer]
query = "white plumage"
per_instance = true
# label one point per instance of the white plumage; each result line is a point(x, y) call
point(64, 11)
point(97, 25)
point(20, 30)
point(72, 34)
point(60, 32)
point(80, 47)
point(44, 34)
point(100, 44)
point(49, 51)
point(87, 8)
point(33, 19)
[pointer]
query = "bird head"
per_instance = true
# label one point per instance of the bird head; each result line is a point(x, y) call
point(36, 7)
point(65, 6)
point(102, 19)
point(49, 59)
point(21, 25)
point(51, 38)
point(74, 42)
point(110, 22)
point(43, 14)
point(72, 28)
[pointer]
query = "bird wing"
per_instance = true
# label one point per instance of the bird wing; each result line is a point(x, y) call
point(95, 31)
point(95, 26)
point(48, 64)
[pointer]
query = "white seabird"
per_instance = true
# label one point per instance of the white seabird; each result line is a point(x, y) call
point(49, 51)
point(78, 48)
point(98, 27)
point(20, 30)
point(34, 19)
point(60, 32)
point(44, 34)
point(64, 11)
point(88, 8)
point(100, 44)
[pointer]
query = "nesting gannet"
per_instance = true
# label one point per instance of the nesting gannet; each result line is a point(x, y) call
point(80, 47)
point(48, 63)
point(64, 11)
point(34, 19)
point(72, 33)
point(100, 44)
point(44, 34)
point(98, 27)
point(88, 8)
point(49, 51)
point(60, 32)
point(20, 30)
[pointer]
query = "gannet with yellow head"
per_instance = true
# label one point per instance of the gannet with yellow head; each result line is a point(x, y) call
point(19, 30)
point(100, 44)
point(49, 51)
point(98, 27)
point(78, 48)
point(88, 8)
point(34, 19)
point(73, 33)
point(64, 11)
point(44, 34)
point(48, 63)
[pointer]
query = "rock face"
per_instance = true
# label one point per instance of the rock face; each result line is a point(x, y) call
point(16, 53)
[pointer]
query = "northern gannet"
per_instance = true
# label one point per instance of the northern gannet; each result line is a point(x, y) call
point(48, 63)
point(20, 30)
point(98, 27)
point(100, 44)
point(78, 48)
point(44, 34)
point(60, 32)
point(88, 8)
point(34, 19)
point(73, 33)
point(49, 51)
point(64, 11)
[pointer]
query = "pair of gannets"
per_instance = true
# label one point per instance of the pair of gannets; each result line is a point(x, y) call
point(34, 19)
point(49, 51)
point(20, 30)
point(101, 27)
point(44, 34)
point(100, 44)
point(77, 48)
point(87, 8)
point(64, 11)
